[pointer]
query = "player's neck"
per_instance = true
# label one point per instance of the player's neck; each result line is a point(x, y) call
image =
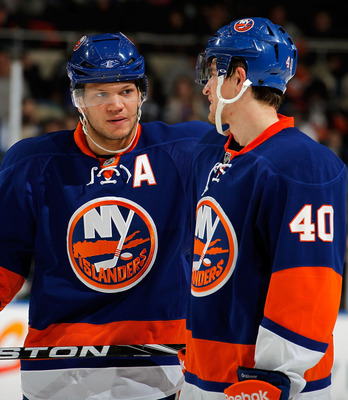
point(250, 125)
point(101, 146)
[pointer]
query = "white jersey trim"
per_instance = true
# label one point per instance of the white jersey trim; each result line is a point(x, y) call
point(145, 383)
point(278, 354)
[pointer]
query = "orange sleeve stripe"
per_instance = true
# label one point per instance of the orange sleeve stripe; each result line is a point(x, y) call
point(305, 300)
point(323, 368)
point(113, 333)
point(10, 284)
point(217, 361)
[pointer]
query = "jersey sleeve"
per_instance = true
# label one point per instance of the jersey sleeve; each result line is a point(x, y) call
point(10, 285)
point(306, 227)
point(17, 229)
point(182, 152)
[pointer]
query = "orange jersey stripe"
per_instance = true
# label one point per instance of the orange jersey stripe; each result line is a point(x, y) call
point(10, 284)
point(124, 332)
point(217, 361)
point(305, 300)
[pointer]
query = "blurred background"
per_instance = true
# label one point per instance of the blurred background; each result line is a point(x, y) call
point(37, 38)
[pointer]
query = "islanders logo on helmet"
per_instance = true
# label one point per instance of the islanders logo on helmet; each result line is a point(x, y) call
point(111, 244)
point(80, 42)
point(215, 249)
point(244, 25)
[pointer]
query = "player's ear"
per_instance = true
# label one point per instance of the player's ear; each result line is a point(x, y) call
point(240, 75)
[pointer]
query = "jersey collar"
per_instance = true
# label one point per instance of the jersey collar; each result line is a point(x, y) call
point(80, 140)
point(283, 123)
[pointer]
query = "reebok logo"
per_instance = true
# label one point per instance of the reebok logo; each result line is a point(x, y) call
point(254, 396)
point(247, 376)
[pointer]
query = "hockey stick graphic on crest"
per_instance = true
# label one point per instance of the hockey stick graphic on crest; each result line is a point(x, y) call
point(56, 352)
point(197, 264)
point(111, 263)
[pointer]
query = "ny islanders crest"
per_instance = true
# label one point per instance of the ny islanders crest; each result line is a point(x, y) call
point(111, 244)
point(215, 248)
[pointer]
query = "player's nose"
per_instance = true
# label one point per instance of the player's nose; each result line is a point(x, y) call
point(116, 103)
point(206, 89)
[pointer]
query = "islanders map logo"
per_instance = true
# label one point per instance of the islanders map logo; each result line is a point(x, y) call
point(111, 244)
point(215, 248)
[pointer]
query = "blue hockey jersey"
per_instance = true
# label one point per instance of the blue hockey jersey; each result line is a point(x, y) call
point(110, 239)
point(269, 249)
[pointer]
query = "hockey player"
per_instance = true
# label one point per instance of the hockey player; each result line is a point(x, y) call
point(270, 231)
point(104, 212)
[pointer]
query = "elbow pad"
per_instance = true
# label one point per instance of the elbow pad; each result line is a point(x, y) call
point(259, 384)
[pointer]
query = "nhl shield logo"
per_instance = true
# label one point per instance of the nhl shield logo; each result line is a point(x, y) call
point(111, 244)
point(215, 248)
point(109, 64)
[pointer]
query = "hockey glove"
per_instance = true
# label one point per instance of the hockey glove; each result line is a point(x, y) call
point(259, 384)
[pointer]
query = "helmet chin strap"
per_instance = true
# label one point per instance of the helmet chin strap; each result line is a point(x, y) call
point(84, 121)
point(222, 101)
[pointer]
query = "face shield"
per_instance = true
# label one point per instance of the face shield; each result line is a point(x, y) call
point(205, 61)
point(203, 69)
point(99, 96)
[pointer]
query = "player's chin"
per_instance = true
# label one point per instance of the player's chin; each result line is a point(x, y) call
point(211, 118)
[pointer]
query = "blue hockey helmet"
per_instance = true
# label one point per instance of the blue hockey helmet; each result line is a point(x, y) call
point(267, 49)
point(109, 57)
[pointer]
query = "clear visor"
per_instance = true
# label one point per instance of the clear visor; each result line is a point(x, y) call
point(203, 69)
point(99, 97)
